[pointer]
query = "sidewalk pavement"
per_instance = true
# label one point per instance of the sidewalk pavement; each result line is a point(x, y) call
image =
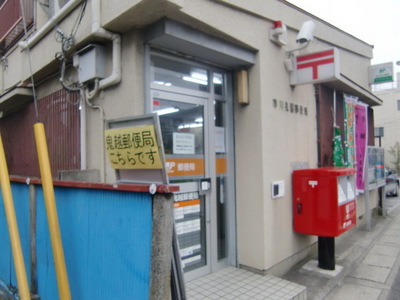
point(367, 263)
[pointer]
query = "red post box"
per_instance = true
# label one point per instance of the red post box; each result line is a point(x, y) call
point(324, 201)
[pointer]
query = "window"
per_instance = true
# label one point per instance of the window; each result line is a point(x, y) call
point(378, 131)
point(398, 105)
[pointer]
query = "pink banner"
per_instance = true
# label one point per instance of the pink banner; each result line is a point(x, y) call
point(361, 143)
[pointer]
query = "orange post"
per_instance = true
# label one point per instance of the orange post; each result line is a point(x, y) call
point(23, 288)
point(51, 210)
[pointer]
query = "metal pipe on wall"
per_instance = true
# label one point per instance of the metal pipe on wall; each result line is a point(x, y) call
point(116, 75)
point(65, 10)
point(102, 119)
point(82, 109)
point(32, 235)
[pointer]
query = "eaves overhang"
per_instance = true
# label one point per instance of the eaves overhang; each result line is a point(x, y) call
point(172, 35)
point(15, 99)
point(348, 86)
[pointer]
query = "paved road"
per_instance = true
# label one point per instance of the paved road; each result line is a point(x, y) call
point(395, 290)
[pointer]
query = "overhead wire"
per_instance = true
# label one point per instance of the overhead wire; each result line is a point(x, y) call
point(79, 19)
point(66, 44)
point(66, 41)
point(30, 61)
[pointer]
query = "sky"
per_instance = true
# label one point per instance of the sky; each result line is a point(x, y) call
point(376, 22)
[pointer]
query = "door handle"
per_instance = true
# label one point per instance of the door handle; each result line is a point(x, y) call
point(205, 185)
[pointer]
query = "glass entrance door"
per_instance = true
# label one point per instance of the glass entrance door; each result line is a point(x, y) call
point(196, 126)
point(185, 144)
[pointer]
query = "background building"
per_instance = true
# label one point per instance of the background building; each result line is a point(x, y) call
point(387, 122)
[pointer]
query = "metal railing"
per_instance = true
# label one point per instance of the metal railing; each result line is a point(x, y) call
point(11, 23)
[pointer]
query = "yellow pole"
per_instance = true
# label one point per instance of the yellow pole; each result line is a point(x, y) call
point(20, 270)
point(51, 210)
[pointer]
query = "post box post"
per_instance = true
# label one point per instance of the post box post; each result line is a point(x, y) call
point(326, 253)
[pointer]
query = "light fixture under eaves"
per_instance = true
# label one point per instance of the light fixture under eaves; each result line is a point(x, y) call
point(162, 83)
point(194, 80)
point(191, 125)
point(199, 120)
point(166, 111)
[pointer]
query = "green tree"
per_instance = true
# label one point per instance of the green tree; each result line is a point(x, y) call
point(395, 152)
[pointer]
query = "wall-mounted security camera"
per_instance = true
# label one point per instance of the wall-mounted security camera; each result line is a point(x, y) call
point(306, 32)
point(304, 38)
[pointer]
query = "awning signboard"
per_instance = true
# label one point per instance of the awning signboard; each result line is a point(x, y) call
point(315, 67)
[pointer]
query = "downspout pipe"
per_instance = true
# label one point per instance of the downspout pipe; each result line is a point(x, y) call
point(98, 31)
point(83, 134)
point(115, 76)
point(61, 14)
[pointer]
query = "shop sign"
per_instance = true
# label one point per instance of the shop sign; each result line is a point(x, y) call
point(184, 166)
point(133, 148)
point(177, 166)
point(381, 73)
point(315, 67)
